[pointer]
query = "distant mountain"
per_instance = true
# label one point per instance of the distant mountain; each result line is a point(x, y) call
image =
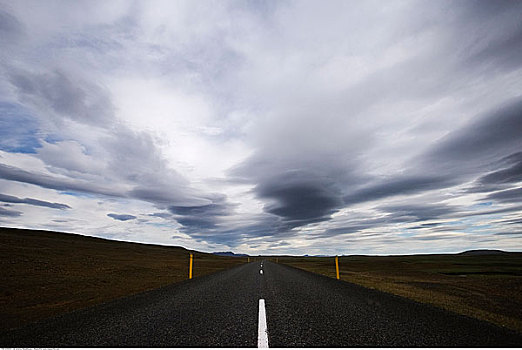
point(228, 254)
point(483, 252)
point(317, 256)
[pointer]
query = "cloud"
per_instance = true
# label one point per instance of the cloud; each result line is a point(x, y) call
point(56, 92)
point(296, 190)
point(502, 210)
point(514, 221)
point(161, 215)
point(18, 130)
point(61, 184)
point(70, 158)
point(112, 147)
point(169, 194)
point(417, 212)
point(514, 233)
point(10, 27)
point(486, 138)
point(390, 215)
point(305, 149)
point(121, 217)
point(509, 196)
point(457, 158)
point(436, 236)
point(500, 48)
point(424, 226)
point(349, 229)
point(298, 198)
point(401, 185)
point(202, 217)
point(12, 199)
point(11, 213)
point(316, 124)
point(510, 172)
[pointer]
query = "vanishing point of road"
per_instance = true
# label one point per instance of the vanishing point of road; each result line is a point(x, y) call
point(261, 304)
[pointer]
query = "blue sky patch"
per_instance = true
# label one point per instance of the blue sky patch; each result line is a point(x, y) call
point(18, 129)
point(79, 194)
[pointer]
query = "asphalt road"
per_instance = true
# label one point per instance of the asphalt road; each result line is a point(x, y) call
point(221, 310)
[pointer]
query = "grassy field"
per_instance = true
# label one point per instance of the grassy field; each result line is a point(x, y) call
point(47, 273)
point(488, 287)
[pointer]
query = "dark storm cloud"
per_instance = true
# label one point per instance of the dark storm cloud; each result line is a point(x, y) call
point(196, 224)
point(202, 217)
point(510, 172)
point(158, 194)
point(300, 197)
point(489, 137)
point(417, 212)
point(296, 192)
point(343, 93)
point(12, 199)
point(398, 186)
point(507, 196)
point(299, 201)
point(46, 181)
point(121, 217)
point(458, 157)
point(493, 141)
point(202, 210)
point(488, 140)
point(7, 212)
point(394, 214)
point(268, 226)
point(67, 96)
point(168, 195)
point(349, 229)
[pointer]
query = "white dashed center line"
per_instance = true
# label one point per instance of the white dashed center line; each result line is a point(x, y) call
point(262, 332)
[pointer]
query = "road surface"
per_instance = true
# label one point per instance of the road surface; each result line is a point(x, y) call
point(223, 310)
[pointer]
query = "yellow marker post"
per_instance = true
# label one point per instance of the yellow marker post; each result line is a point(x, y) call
point(190, 266)
point(248, 259)
point(337, 266)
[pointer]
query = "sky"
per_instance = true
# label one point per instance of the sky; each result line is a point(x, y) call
point(265, 127)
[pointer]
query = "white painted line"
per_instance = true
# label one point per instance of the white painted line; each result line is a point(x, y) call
point(262, 332)
point(260, 272)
